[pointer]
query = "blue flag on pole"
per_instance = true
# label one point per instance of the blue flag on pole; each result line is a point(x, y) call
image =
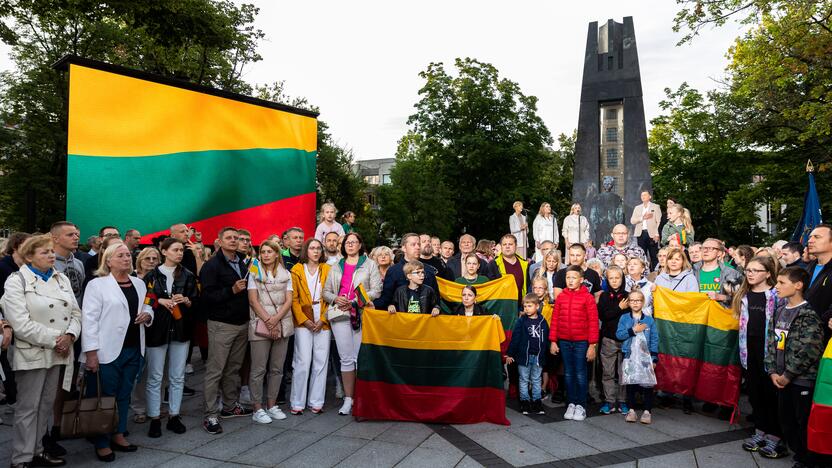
point(811, 216)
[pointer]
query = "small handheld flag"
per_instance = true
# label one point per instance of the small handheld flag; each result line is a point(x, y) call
point(361, 297)
point(254, 268)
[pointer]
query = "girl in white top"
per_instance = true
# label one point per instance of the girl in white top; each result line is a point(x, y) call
point(328, 223)
point(575, 227)
point(519, 227)
point(545, 228)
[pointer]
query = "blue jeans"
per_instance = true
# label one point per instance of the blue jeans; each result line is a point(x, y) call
point(176, 353)
point(117, 379)
point(531, 371)
point(574, 370)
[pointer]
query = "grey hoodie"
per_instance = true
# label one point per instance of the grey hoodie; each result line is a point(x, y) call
point(74, 270)
point(685, 281)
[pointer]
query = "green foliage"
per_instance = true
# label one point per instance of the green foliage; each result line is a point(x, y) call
point(204, 41)
point(475, 146)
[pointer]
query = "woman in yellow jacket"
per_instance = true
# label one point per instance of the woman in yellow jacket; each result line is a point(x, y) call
point(312, 334)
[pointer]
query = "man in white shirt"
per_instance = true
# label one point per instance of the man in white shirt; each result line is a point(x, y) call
point(645, 220)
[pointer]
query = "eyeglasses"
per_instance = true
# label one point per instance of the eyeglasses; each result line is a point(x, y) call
point(352, 242)
point(755, 270)
point(418, 272)
point(704, 247)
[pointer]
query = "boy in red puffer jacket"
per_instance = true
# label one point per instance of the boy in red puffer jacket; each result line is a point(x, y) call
point(574, 333)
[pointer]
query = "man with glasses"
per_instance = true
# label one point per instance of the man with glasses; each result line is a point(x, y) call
point(716, 279)
point(620, 245)
point(91, 264)
point(244, 249)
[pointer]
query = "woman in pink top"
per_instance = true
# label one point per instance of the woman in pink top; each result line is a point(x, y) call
point(339, 292)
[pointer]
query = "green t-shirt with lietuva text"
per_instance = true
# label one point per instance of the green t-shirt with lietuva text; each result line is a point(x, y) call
point(709, 280)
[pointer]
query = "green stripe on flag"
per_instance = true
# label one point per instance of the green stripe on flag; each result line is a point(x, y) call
point(823, 387)
point(441, 368)
point(698, 342)
point(194, 185)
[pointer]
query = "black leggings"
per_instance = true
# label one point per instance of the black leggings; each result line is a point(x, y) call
point(762, 394)
point(647, 396)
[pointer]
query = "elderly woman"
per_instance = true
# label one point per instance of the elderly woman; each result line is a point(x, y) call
point(113, 340)
point(383, 256)
point(575, 227)
point(339, 292)
point(41, 308)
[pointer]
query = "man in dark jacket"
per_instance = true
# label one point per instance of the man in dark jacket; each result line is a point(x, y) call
point(9, 264)
point(819, 292)
point(224, 300)
point(456, 265)
point(395, 276)
point(792, 254)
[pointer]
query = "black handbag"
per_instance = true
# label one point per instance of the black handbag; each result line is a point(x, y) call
point(87, 417)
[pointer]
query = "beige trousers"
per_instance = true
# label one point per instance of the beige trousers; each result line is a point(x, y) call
point(34, 408)
point(226, 350)
point(267, 355)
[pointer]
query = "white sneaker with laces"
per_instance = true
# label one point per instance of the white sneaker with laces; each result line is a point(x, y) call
point(580, 413)
point(346, 408)
point(262, 417)
point(570, 412)
point(245, 396)
point(189, 369)
point(276, 413)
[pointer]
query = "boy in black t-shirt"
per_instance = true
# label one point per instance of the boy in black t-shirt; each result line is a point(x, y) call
point(416, 297)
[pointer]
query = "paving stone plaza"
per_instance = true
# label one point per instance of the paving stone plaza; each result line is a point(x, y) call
point(673, 440)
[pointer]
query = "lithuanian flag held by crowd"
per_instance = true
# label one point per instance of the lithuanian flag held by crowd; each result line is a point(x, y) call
point(444, 369)
point(496, 297)
point(820, 419)
point(145, 153)
point(698, 347)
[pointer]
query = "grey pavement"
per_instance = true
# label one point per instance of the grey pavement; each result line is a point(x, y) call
point(673, 440)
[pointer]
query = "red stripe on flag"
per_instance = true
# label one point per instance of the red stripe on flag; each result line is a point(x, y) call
point(262, 221)
point(449, 405)
point(701, 380)
point(820, 429)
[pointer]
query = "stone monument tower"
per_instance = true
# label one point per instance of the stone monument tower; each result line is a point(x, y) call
point(611, 149)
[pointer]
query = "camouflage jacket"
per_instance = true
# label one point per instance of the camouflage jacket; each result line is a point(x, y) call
point(802, 348)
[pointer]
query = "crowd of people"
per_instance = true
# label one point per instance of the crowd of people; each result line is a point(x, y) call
point(128, 318)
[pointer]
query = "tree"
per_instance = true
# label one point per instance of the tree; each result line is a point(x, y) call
point(416, 200)
point(204, 41)
point(475, 136)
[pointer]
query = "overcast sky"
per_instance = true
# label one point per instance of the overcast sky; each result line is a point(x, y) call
point(359, 61)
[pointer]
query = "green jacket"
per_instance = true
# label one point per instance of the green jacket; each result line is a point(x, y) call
point(670, 229)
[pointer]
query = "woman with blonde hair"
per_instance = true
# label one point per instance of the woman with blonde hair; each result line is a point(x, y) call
point(146, 261)
point(677, 227)
point(545, 228)
point(270, 292)
point(548, 270)
point(113, 341)
point(42, 310)
point(519, 227)
point(328, 223)
point(575, 227)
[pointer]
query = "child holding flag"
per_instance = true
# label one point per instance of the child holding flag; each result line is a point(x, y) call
point(793, 348)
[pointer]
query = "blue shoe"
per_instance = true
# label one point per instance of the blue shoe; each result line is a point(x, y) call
point(623, 408)
point(606, 409)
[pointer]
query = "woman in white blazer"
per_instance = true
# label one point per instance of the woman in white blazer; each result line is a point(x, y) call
point(113, 339)
point(41, 308)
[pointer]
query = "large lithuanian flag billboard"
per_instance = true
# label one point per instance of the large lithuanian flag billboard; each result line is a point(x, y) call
point(146, 152)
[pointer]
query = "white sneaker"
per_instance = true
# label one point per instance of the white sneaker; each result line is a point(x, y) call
point(346, 408)
point(245, 396)
point(262, 417)
point(276, 414)
point(580, 413)
point(570, 412)
point(189, 369)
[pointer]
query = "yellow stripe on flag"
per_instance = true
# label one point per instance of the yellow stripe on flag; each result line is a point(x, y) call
point(114, 114)
point(421, 331)
point(828, 353)
point(692, 308)
point(502, 288)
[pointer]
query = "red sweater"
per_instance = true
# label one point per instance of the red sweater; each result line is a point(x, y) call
point(575, 317)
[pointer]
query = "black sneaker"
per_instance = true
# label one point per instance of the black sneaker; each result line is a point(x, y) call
point(773, 449)
point(212, 425)
point(155, 430)
point(235, 412)
point(756, 442)
point(51, 447)
point(537, 406)
point(175, 425)
point(188, 391)
point(524, 406)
